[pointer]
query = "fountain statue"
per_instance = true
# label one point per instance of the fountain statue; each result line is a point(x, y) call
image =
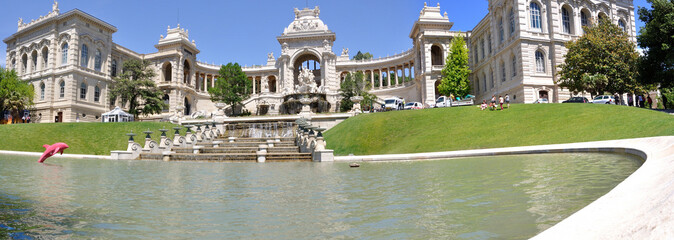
point(307, 83)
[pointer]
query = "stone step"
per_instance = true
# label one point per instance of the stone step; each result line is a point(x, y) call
point(241, 157)
point(225, 139)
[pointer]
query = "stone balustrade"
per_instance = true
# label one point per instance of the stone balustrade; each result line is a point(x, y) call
point(199, 137)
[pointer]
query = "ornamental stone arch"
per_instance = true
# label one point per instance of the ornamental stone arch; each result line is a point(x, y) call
point(272, 82)
point(437, 54)
point(307, 58)
point(167, 71)
point(187, 71)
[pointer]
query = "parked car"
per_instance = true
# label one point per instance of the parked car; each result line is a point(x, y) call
point(604, 99)
point(541, 100)
point(577, 100)
point(394, 103)
point(413, 105)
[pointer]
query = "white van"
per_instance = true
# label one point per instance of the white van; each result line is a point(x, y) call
point(393, 103)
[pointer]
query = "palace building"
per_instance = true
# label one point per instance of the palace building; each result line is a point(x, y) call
point(71, 60)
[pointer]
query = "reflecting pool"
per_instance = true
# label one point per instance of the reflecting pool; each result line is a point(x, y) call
point(504, 197)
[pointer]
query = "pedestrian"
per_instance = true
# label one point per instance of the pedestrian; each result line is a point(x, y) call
point(640, 101)
point(507, 100)
point(484, 105)
point(629, 100)
point(649, 101)
point(493, 102)
point(500, 101)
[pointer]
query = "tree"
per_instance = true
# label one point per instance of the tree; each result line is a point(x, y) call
point(362, 56)
point(656, 38)
point(455, 74)
point(232, 87)
point(15, 95)
point(136, 87)
point(602, 60)
point(354, 85)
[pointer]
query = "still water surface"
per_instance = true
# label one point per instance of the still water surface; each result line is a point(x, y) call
point(504, 197)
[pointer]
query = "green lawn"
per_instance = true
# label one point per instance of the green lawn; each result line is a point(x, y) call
point(458, 128)
point(83, 138)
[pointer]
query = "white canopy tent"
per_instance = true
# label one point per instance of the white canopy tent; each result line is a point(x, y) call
point(117, 115)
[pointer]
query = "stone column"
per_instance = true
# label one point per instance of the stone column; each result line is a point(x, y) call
point(381, 80)
point(388, 76)
point(371, 79)
point(397, 81)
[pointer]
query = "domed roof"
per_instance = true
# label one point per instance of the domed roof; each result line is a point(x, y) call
point(306, 21)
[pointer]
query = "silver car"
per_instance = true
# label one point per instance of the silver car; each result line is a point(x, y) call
point(604, 99)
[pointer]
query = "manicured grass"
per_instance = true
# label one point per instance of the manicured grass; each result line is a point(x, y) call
point(83, 138)
point(459, 128)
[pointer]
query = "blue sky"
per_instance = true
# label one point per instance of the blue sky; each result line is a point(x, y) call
point(245, 31)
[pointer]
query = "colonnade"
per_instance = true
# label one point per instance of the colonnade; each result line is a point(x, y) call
point(204, 81)
point(387, 77)
point(258, 86)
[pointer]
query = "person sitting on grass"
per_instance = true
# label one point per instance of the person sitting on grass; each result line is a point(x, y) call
point(484, 105)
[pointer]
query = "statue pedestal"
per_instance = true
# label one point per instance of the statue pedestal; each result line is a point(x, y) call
point(356, 105)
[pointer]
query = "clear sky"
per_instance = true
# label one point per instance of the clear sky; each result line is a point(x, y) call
point(245, 31)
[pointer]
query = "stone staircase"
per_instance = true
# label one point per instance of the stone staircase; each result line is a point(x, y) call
point(237, 150)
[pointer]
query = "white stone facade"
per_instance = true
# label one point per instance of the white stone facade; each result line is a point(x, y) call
point(505, 44)
point(50, 52)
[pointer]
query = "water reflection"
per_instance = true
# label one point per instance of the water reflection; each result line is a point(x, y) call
point(508, 197)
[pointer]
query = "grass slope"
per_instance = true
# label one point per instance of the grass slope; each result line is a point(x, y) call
point(83, 138)
point(459, 128)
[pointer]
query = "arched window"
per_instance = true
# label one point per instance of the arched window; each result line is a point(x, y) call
point(14, 64)
point(484, 49)
point(514, 66)
point(621, 24)
point(501, 36)
point(167, 71)
point(566, 20)
point(484, 82)
point(113, 68)
point(602, 17)
point(34, 62)
point(45, 57)
point(64, 54)
point(83, 91)
point(540, 62)
point(97, 94)
point(97, 60)
point(503, 72)
point(42, 87)
point(436, 55)
point(84, 56)
point(584, 20)
point(489, 44)
point(535, 16)
point(512, 21)
point(186, 72)
point(24, 63)
point(166, 99)
point(62, 89)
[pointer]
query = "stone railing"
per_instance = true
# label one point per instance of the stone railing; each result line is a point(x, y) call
point(166, 144)
point(310, 139)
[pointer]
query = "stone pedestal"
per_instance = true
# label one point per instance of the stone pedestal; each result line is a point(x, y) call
point(325, 155)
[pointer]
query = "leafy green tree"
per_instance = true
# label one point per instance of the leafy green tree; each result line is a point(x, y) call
point(362, 56)
point(15, 95)
point(354, 85)
point(455, 74)
point(657, 40)
point(602, 60)
point(136, 87)
point(232, 87)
